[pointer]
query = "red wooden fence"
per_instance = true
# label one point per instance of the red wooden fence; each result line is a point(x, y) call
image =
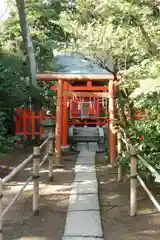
point(25, 121)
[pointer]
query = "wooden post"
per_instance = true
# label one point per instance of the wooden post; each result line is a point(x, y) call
point(58, 124)
point(133, 182)
point(36, 162)
point(112, 133)
point(119, 150)
point(1, 209)
point(65, 117)
point(50, 157)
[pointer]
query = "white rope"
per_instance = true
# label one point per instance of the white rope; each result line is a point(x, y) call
point(17, 169)
point(44, 143)
point(150, 168)
point(43, 160)
point(16, 197)
point(150, 195)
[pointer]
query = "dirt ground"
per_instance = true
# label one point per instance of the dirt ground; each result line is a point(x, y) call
point(114, 204)
point(19, 222)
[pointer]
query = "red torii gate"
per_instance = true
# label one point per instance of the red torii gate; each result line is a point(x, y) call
point(63, 92)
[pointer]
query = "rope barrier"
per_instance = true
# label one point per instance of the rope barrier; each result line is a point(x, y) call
point(150, 195)
point(150, 168)
point(17, 169)
point(16, 197)
point(35, 156)
point(134, 176)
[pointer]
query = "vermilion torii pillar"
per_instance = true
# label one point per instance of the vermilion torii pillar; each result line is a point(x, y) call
point(60, 93)
point(112, 133)
point(65, 117)
point(58, 131)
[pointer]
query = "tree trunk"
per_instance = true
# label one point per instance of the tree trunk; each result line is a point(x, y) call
point(28, 45)
point(29, 51)
point(153, 49)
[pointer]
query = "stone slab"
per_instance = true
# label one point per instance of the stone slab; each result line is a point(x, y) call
point(84, 168)
point(93, 146)
point(85, 176)
point(86, 154)
point(83, 202)
point(85, 161)
point(83, 223)
point(85, 187)
point(81, 146)
point(81, 238)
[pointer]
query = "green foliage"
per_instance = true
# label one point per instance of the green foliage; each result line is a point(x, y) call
point(5, 141)
point(127, 34)
point(149, 147)
point(12, 80)
point(127, 31)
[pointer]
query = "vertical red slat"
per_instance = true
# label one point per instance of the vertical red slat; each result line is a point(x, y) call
point(33, 124)
point(17, 122)
point(41, 119)
point(24, 122)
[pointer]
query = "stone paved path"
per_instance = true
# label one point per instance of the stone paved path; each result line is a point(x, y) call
point(83, 218)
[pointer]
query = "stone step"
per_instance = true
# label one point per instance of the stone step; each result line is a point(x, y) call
point(83, 223)
point(82, 160)
point(85, 176)
point(85, 187)
point(81, 238)
point(87, 154)
point(84, 168)
point(83, 202)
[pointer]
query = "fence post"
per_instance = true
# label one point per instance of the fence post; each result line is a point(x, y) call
point(50, 157)
point(1, 209)
point(119, 150)
point(36, 162)
point(133, 182)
